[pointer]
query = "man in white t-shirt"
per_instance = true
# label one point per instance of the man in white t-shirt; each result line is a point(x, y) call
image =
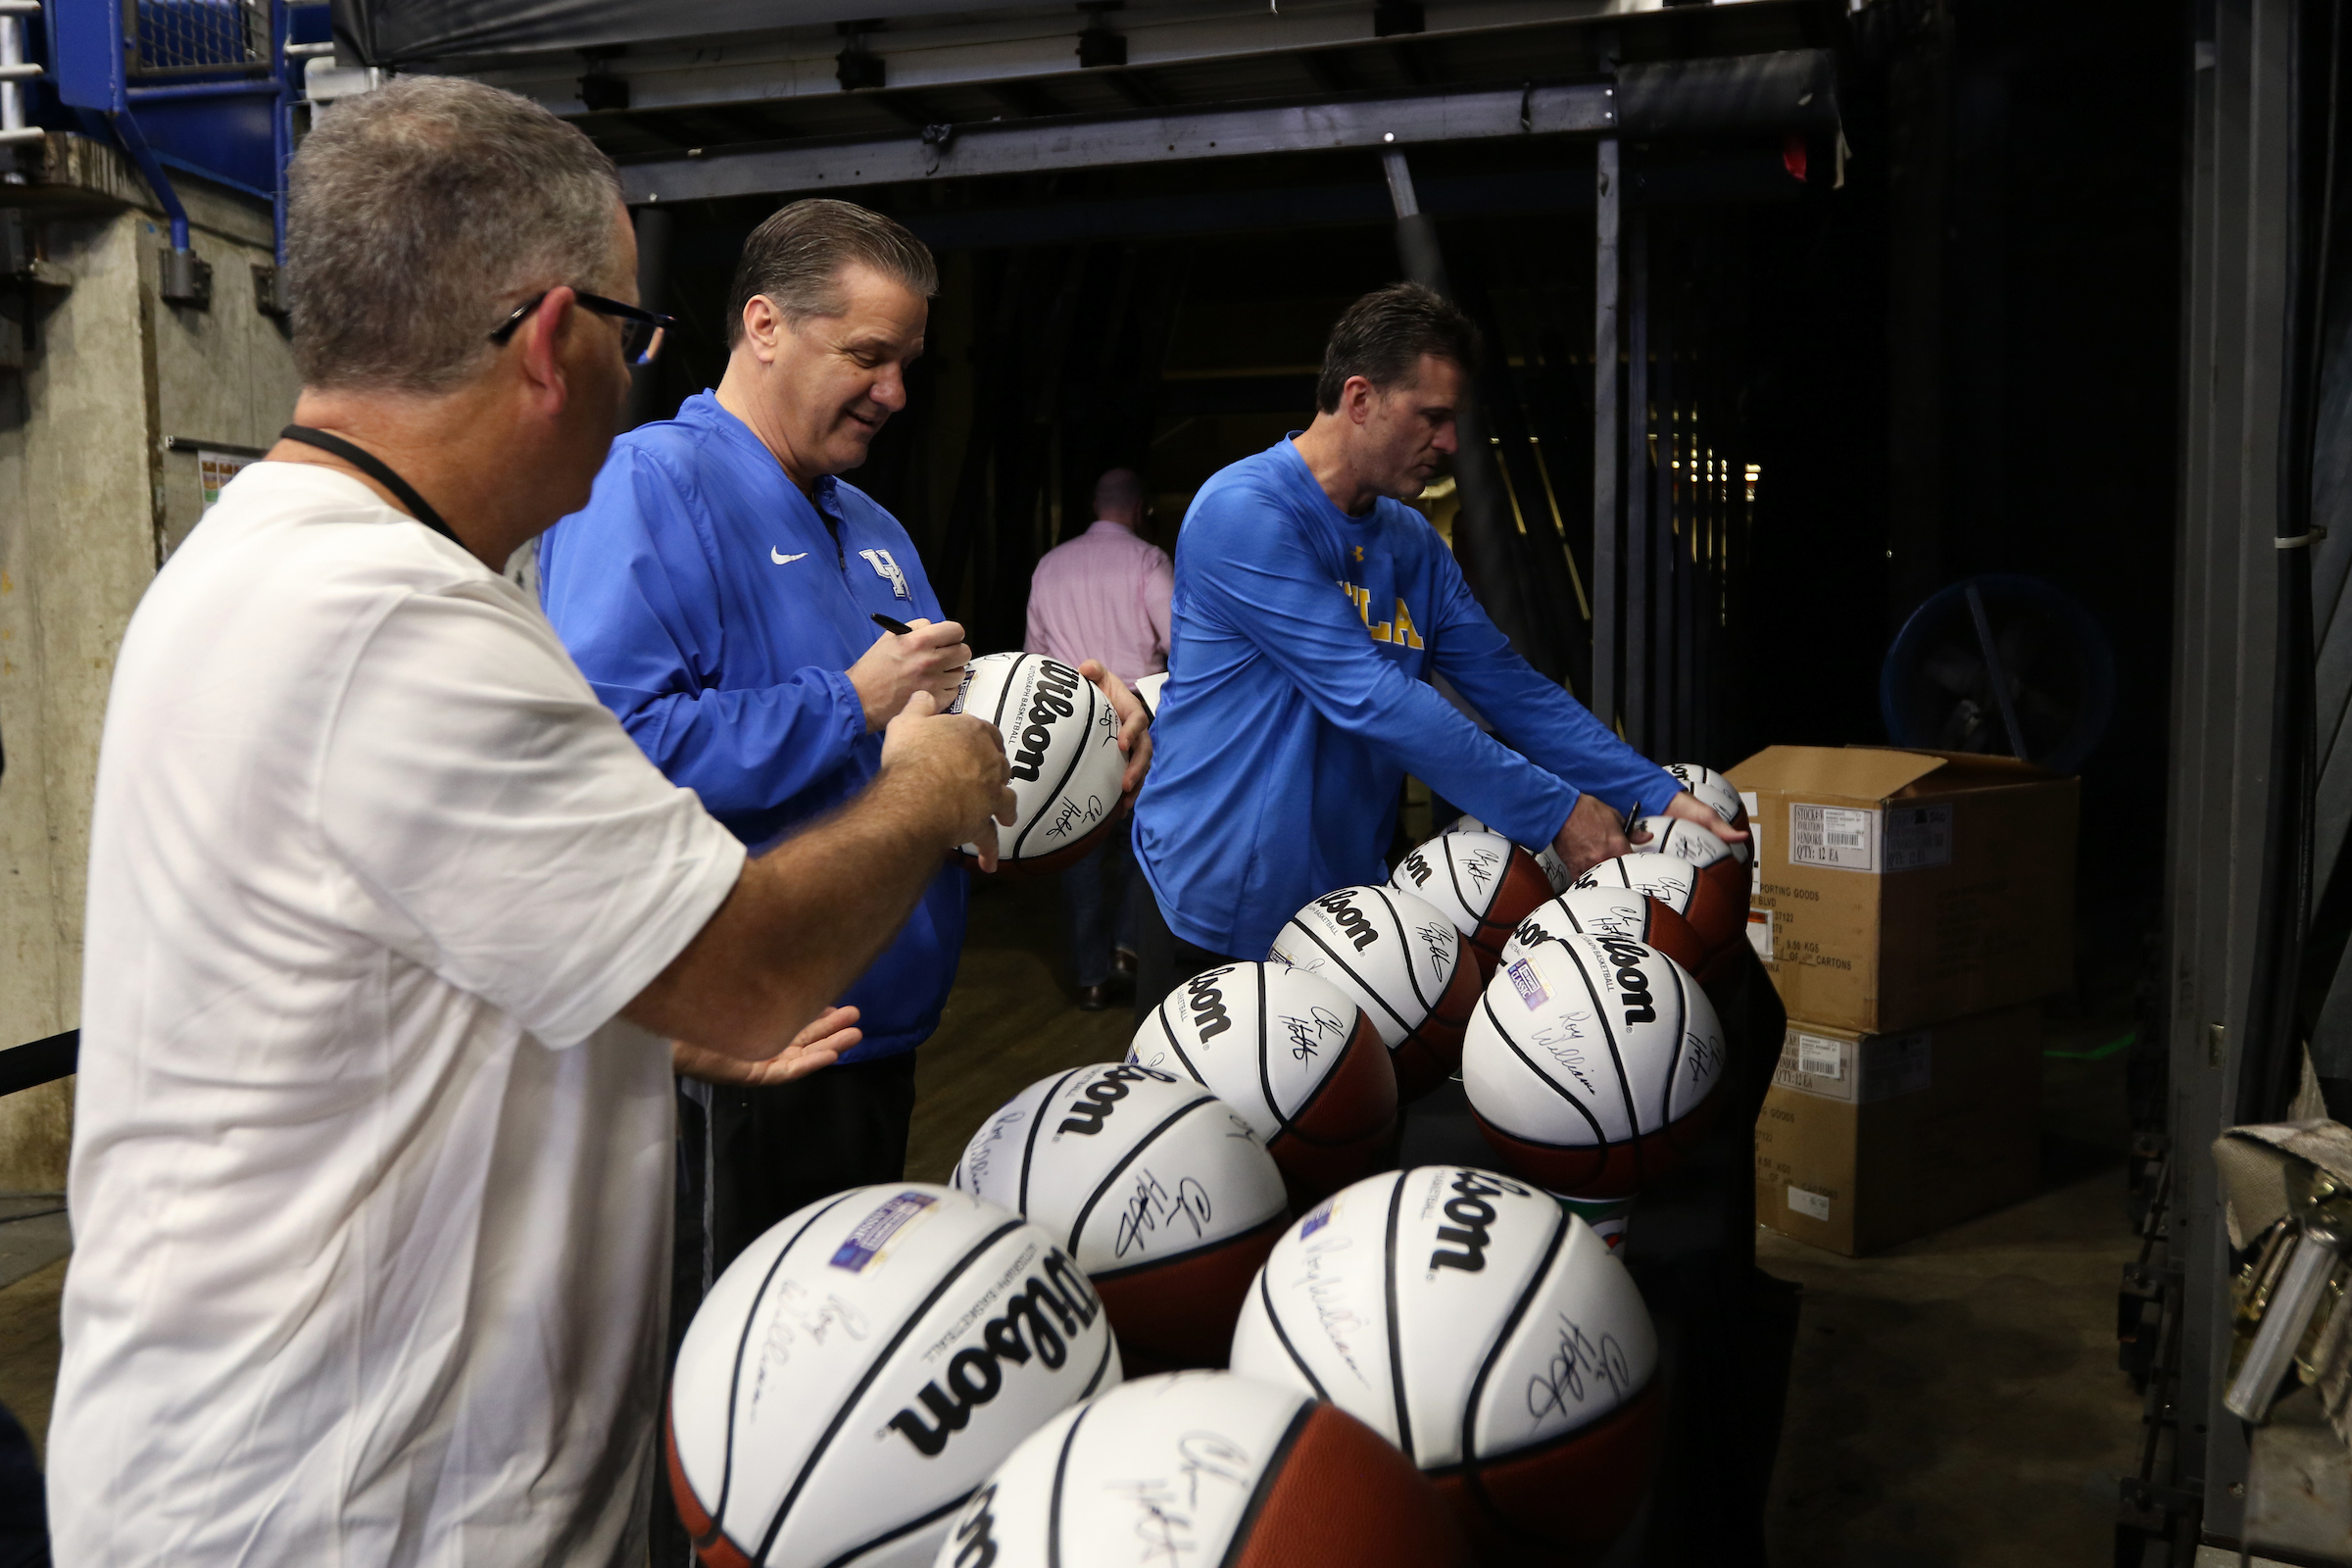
point(388, 921)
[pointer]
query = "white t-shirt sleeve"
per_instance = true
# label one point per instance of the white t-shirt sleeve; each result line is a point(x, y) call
point(500, 828)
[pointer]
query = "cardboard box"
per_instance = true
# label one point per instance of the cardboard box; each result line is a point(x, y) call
point(1870, 1139)
point(1900, 888)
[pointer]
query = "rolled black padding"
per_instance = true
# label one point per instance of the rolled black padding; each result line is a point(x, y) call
point(1734, 95)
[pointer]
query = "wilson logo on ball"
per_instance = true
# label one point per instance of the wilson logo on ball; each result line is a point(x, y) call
point(1417, 868)
point(1053, 1308)
point(1208, 1005)
point(1089, 1110)
point(1349, 919)
point(1057, 684)
point(1466, 1238)
point(1627, 955)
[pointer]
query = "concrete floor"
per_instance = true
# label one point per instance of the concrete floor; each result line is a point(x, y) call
point(1954, 1403)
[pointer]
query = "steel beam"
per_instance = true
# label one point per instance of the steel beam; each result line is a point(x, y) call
point(1017, 147)
point(1606, 212)
point(1637, 480)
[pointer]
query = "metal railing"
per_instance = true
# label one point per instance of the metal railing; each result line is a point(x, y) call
point(168, 39)
point(15, 72)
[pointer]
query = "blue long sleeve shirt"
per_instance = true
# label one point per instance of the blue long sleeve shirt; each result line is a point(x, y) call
point(715, 607)
point(1302, 642)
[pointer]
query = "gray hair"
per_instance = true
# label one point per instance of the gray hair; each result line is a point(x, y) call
point(423, 212)
point(794, 260)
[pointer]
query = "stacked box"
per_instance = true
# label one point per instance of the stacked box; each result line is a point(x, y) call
point(1912, 908)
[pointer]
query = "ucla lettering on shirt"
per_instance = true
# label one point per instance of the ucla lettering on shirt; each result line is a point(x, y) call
point(1399, 631)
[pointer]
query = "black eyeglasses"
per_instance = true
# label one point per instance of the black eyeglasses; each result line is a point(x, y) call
point(641, 330)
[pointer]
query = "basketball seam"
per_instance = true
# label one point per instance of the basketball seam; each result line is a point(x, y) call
point(1076, 756)
point(1682, 1037)
point(903, 1531)
point(1238, 1545)
point(1625, 1082)
point(873, 1370)
point(1061, 1467)
point(1101, 1364)
point(1395, 914)
point(1471, 1478)
point(1454, 875)
point(1311, 936)
point(1169, 1029)
point(1404, 1419)
point(726, 1474)
point(1265, 1294)
point(1005, 692)
point(1291, 1125)
point(1544, 1078)
point(1087, 1212)
point(1037, 1123)
point(1265, 1077)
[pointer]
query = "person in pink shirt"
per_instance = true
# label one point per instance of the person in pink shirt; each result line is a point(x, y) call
point(1104, 595)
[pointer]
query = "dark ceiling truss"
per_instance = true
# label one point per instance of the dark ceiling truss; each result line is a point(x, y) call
point(1789, 91)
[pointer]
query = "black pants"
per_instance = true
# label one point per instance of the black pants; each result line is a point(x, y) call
point(746, 1158)
point(1163, 960)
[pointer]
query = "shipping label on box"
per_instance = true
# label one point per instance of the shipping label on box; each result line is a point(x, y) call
point(1859, 1071)
point(1843, 838)
point(1917, 837)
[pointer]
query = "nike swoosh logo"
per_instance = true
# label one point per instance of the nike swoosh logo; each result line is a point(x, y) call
point(782, 559)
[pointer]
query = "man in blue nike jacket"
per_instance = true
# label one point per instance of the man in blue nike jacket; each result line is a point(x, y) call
point(718, 592)
point(1311, 606)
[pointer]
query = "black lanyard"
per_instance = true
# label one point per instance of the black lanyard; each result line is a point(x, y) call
point(376, 468)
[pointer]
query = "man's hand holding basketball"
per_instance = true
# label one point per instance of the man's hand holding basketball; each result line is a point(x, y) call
point(1593, 833)
point(953, 766)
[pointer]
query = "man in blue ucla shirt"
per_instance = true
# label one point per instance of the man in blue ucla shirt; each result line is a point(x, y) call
point(1311, 606)
point(719, 592)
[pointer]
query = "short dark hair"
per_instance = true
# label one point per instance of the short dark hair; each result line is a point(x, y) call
point(423, 211)
point(1382, 338)
point(795, 257)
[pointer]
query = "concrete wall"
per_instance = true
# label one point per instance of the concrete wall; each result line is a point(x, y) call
point(90, 503)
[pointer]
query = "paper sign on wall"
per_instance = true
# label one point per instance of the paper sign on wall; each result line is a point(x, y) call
point(214, 470)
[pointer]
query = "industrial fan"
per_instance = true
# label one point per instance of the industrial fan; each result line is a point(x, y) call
point(1999, 663)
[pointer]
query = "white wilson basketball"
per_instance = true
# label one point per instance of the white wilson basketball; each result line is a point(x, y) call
point(1399, 959)
point(1492, 1336)
point(1555, 869)
point(1713, 791)
point(1592, 1064)
point(1627, 913)
point(1482, 882)
point(1159, 1191)
point(861, 1367)
point(1687, 841)
point(1718, 915)
point(1204, 1468)
point(1062, 741)
point(1148, 690)
point(1291, 1056)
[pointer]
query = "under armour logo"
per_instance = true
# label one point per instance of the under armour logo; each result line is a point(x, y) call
point(888, 570)
point(1359, 552)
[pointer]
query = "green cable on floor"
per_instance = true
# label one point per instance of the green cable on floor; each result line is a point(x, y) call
point(2099, 1053)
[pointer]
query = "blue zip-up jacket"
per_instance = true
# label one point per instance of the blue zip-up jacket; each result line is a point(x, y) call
point(1301, 645)
point(714, 610)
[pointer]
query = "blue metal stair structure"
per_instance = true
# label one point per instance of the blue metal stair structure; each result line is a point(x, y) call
point(205, 87)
